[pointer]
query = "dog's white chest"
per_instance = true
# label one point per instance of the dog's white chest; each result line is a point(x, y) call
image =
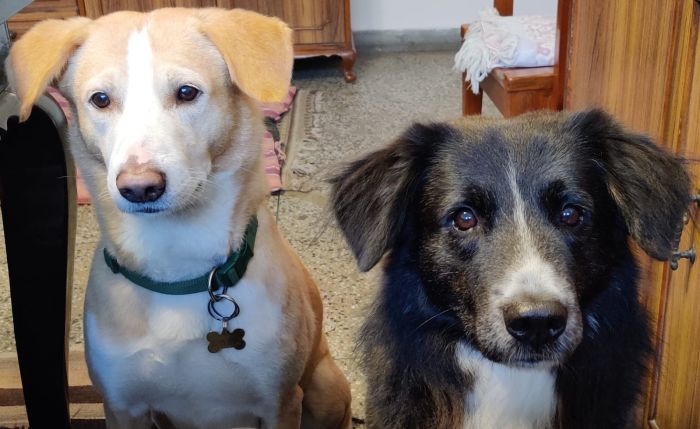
point(506, 398)
point(170, 370)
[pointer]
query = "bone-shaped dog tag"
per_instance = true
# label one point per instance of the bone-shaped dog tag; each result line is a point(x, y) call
point(226, 340)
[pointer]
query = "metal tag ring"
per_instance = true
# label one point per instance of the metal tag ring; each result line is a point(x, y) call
point(214, 296)
point(213, 312)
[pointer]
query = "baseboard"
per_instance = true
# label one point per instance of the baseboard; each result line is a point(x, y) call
point(447, 39)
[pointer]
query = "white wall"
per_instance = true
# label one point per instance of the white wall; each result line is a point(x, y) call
point(431, 14)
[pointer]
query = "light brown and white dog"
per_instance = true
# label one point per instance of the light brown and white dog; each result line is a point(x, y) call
point(167, 134)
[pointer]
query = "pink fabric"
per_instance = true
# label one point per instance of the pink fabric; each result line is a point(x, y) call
point(272, 162)
point(82, 194)
point(273, 154)
point(62, 102)
point(276, 110)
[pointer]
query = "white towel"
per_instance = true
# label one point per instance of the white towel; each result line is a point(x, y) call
point(505, 41)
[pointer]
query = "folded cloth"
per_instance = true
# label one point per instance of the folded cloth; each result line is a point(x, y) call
point(273, 158)
point(276, 110)
point(273, 152)
point(505, 41)
point(82, 194)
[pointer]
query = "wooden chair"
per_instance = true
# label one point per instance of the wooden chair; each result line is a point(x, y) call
point(38, 213)
point(519, 90)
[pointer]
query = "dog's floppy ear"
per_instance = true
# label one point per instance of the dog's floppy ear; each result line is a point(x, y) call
point(650, 186)
point(257, 49)
point(38, 57)
point(372, 196)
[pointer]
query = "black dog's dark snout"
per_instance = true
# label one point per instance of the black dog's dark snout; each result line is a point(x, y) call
point(535, 323)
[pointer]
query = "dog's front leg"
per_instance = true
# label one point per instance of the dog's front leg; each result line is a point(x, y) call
point(327, 398)
point(289, 416)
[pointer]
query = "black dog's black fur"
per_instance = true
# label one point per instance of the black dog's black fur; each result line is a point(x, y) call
point(393, 202)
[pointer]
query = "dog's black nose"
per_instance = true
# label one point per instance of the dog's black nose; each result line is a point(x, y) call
point(535, 323)
point(141, 186)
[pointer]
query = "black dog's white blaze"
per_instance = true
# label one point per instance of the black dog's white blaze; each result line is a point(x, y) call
point(529, 275)
point(509, 397)
point(509, 296)
point(505, 397)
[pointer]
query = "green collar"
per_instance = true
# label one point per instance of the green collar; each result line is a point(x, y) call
point(226, 274)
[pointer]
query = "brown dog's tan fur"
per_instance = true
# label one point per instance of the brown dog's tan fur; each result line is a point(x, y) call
point(43, 58)
point(252, 55)
point(242, 57)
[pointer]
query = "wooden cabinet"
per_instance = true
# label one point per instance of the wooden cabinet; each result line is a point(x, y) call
point(640, 60)
point(96, 8)
point(321, 27)
point(40, 10)
point(674, 400)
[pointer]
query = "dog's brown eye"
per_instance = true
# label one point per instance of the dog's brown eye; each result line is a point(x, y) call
point(464, 219)
point(571, 215)
point(187, 93)
point(100, 100)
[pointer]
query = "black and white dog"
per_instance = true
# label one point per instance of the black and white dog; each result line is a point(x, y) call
point(510, 292)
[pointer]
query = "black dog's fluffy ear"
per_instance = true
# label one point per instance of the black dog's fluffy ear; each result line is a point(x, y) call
point(371, 196)
point(650, 186)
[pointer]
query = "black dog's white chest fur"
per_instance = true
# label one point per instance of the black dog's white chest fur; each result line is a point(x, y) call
point(504, 397)
point(509, 297)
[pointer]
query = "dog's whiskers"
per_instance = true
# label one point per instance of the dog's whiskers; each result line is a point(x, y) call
point(432, 317)
point(321, 231)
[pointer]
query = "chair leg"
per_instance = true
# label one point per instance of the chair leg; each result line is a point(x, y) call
point(37, 222)
point(471, 103)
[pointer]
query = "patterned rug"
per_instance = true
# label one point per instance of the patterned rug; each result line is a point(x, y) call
point(304, 143)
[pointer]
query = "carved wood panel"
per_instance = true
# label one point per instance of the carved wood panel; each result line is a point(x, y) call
point(40, 10)
point(97, 8)
point(313, 21)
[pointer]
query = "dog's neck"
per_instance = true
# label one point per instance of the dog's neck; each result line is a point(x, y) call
point(188, 244)
point(506, 397)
